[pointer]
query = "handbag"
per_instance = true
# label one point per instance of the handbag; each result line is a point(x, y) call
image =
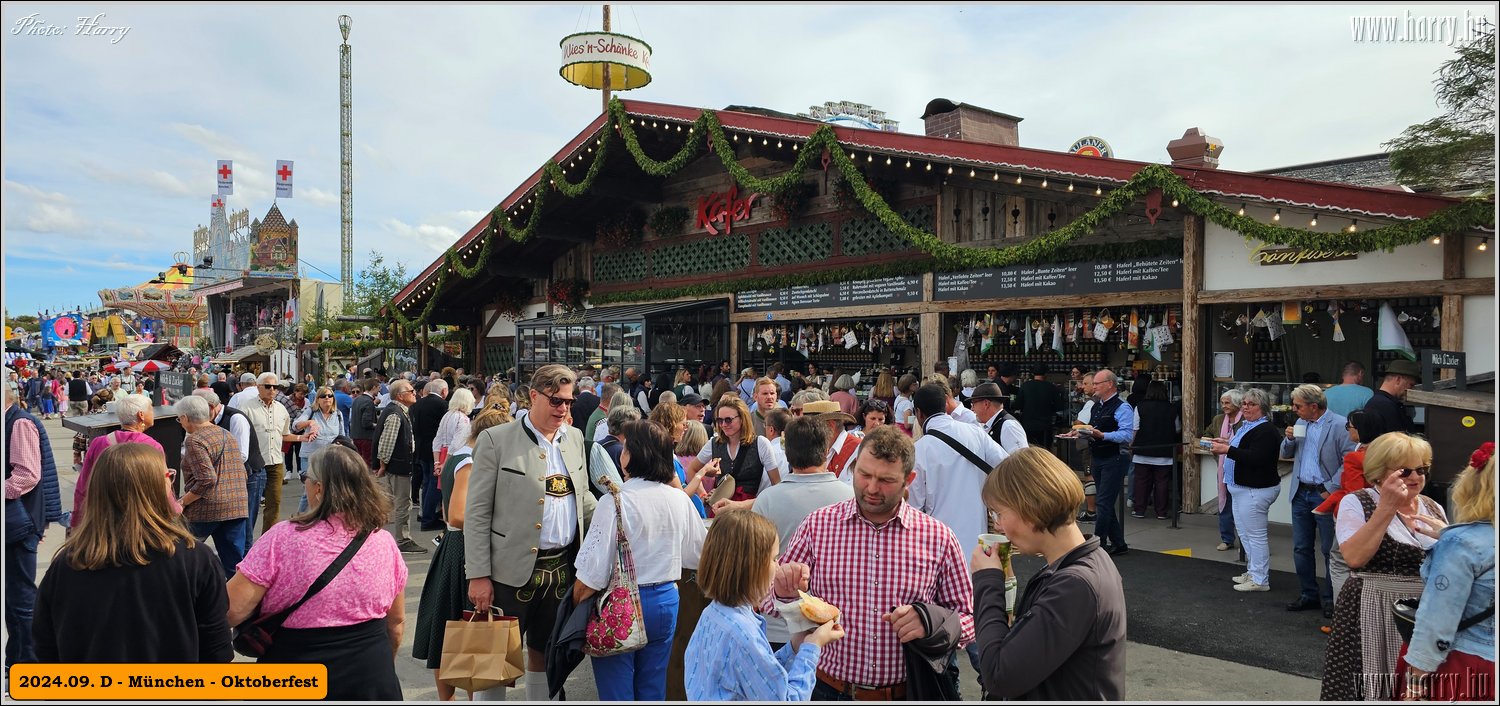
point(617, 625)
point(1404, 614)
point(253, 638)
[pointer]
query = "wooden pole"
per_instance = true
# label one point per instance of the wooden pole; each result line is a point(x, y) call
point(1193, 337)
point(1451, 335)
point(607, 67)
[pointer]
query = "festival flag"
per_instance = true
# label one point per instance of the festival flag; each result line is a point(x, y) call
point(1392, 337)
point(283, 179)
point(225, 173)
point(1149, 343)
point(1026, 334)
point(1057, 335)
point(215, 203)
point(291, 312)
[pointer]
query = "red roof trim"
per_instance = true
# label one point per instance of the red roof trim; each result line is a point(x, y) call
point(1228, 185)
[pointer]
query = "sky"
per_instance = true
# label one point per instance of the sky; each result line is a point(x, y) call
point(110, 141)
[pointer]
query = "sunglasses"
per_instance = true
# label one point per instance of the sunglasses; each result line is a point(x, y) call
point(726, 420)
point(556, 401)
point(325, 397)
point(270, 387)
point(1419, 470)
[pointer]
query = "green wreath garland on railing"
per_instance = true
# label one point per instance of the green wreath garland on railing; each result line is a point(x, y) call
point(940, 255)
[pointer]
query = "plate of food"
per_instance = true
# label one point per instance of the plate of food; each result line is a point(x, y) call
point(806, 613)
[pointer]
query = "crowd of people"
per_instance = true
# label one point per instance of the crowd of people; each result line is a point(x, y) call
point(732, 498)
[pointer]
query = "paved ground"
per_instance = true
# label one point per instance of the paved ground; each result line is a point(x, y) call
point(1191, 648)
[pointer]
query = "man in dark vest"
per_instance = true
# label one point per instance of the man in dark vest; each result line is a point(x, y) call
point(1038, 402)
point(426, 416)
point(364, 420)
point(1112, 423)
point(239, 426)
point(32, 501)
point(396, 460)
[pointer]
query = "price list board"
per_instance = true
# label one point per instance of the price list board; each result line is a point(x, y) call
point(1060, 279)
point(888, 290)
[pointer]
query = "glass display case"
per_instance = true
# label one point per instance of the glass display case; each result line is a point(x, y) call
point(654, 337)
point(1281, 411)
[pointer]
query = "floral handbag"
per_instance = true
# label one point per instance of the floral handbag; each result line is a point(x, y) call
point(617, 625)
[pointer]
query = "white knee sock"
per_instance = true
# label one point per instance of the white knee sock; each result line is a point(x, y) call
point(536, 686)
point(495, 694)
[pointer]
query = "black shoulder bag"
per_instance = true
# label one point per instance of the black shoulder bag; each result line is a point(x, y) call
point(253, 637)
point(974, 458)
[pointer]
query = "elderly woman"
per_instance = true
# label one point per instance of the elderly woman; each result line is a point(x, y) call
point(1360, 426)
point(1385, 556)
point(1454, 636)
point(843, 394)
point(1253, 480)
point(136, 416)
point(354, 625)
point(453, 430)
point(215, 501)
point(1223, 426)
point(322, 423)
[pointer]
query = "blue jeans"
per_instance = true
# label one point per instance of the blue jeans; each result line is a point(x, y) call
point(229, 540)
point(642, 675)
point(1109, 481)
point(431, 497)
point(20, 599)
point(1226, 520)
point(255, 485)
point(1253, 508)
point(1306, 527)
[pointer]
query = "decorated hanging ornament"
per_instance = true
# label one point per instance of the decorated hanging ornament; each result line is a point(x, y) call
point(1334, 309)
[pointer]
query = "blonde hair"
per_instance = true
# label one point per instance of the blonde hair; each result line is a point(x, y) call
point(766, 381)
point(1035, 485)
point(668, 416)
point(747, 427)
point(486, 419)
point(885, 385)
point(1394, 450)
point(130, 516)
point(1473, 493)
point(693, 439)
point(737, 560)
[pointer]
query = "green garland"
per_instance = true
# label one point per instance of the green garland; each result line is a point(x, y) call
point(941, 256)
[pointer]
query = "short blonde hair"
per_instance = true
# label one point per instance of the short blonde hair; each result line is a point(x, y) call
point(1038, 487)
point(736, 569)
point(766, 381)
point(1395, 450)
point(1474, 494)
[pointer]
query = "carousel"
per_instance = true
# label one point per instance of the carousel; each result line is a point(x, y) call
point(168, 298)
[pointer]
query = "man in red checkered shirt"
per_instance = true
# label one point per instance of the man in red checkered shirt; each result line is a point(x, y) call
point(896, 574)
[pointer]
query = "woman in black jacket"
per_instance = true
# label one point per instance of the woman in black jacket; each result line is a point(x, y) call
point(1067, 642)
point(1251, 475)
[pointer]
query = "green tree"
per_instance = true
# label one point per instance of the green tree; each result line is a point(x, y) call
point(1456, 150)
point(375, 288)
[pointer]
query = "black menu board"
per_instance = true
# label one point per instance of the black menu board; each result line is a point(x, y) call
point(887, 290)
point(1139, 275)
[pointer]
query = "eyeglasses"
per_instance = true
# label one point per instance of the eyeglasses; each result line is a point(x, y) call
point(270, 387)
point(877, 406)
point(726, 420)
point(325, 397)
point(1419, 470)
point(556, 401)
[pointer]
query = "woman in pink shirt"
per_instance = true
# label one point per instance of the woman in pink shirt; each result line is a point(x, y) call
point(354, 624)
point(136, 416)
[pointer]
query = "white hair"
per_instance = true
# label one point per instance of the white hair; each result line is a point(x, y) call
point(461, 402)
point(437, 387)
point(209, 396)
point(268, 379)
point(128, 406)
point(968, 378)
point(668, 397)
point(193, 408)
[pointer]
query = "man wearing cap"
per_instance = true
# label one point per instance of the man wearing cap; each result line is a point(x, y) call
point(1386, 404)
point(693, 405)
point(1004, 429)
point(247, 395)
point(953, 459)
point(272, 426)
point(843, 444)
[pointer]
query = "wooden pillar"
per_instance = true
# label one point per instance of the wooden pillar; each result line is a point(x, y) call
point(1193, 368)
point(422, 351)
point(1451, 336)
point(930, 340)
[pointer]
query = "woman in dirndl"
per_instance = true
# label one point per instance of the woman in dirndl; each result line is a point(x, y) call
point(1385, 560)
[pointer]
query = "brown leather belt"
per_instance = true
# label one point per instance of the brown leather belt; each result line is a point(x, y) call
point(894, 692)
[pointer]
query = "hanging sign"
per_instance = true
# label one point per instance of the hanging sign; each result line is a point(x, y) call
point(589, 57)
point(1092, 147)
point(1295, 256)
point(724, 209)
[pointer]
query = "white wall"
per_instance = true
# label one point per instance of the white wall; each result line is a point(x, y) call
point(506, 327)
point(1280, 511)
point(1227, 264)
point(1479, 333)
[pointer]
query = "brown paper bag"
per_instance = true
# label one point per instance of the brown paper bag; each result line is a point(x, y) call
point(482, 653)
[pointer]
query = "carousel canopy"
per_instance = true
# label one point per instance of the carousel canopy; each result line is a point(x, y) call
point(169, 298)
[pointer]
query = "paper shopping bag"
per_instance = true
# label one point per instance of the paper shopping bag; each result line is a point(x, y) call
point(480, 654)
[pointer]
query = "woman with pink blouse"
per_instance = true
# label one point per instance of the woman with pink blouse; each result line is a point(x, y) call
point(354, 625)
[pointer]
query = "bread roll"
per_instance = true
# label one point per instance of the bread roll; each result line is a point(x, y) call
point(816, 609)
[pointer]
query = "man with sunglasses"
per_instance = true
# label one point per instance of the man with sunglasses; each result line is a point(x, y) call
point(527, 509)
point(272, 426)
point(1317, 443)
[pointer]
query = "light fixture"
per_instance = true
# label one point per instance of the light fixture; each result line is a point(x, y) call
point(1437, 240)
point(1098, 191)
point(929, 166)
point(1044, 182)
point(997, 176)
point(796, 147)
point(1018, 178)
point(1174, 203)
point(1484, 244)
point(778, 144)
point(1241, 212)
point(851, 155)
point(869, 158)
point(971, 173)
point(1313, 222)
point(736, 138)
point(950, 169)
point(1070, 187)
point(887, 161)
point(1353, 225)
point(765, 141)
point(1277, 217)
point(908, 164)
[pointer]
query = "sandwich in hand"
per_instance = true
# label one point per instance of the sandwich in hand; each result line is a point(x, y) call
point(816, 609)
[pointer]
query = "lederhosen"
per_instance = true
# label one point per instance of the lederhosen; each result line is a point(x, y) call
point(536, 602)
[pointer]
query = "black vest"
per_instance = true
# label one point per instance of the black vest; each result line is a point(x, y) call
point(403, 457)
point(253, 461)
point(747, 475)
point(1158, 433)
point(41, 506)
point(1103, 418)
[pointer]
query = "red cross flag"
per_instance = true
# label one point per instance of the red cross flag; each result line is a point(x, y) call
point(225, 173)
point(283, 179)
point(215, 203)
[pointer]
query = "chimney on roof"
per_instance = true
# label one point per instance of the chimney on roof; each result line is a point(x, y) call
point(1195, 149)
point(961, 121)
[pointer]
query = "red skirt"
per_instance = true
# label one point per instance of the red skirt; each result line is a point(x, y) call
point(1461, 677)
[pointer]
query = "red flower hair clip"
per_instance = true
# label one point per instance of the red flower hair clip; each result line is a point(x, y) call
point(1482, 455)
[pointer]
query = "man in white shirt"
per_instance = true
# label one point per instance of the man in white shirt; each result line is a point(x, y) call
point(953, 460)
point(247, 395)
point(1005, 430)
point(272, 425)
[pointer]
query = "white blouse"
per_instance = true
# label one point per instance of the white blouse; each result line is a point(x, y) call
point(664, 529)
point(452, 433)
point(1351, 517)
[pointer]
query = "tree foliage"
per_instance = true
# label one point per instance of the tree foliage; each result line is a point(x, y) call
point(375, 287)
point(1455, 150)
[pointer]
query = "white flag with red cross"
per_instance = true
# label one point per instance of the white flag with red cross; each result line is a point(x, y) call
point(225, 174)
point(215, 203)
point(283, 179)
